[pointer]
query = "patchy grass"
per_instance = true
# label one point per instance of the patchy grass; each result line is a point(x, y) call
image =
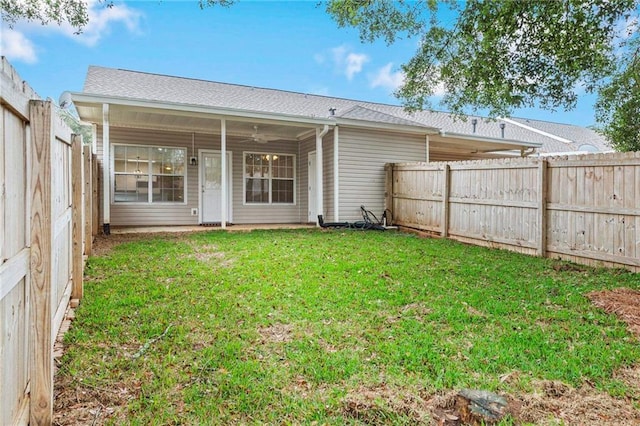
point(290, 327)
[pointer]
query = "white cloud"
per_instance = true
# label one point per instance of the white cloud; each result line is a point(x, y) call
point(345, 60)
point(391, 80)
point(15, 46)
point(387, 79)
point(355, 61)
point(102, 18)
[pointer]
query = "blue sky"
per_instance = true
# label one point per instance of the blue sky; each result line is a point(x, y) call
point(291, 45)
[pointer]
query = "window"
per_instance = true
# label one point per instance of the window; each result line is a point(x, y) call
point(148, 174)
point(269, 178)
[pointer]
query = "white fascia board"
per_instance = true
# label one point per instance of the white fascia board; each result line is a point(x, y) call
point(491, 140)
point(417, 129)
point(188, 108)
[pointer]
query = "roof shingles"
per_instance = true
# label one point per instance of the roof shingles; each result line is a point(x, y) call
point(178, 90)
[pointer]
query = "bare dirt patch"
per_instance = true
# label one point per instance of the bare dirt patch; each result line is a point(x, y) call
point(103, 244)
point(551, 403)
point(623, 302)
point(207, 253)
point(81, 404)
point(557, 403)
point(276, 333)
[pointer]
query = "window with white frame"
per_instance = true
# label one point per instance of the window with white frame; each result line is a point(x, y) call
point(143, 174)
point(269, 178)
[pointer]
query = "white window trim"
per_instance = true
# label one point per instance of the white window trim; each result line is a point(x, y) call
point(149, 201)
point(270, 203)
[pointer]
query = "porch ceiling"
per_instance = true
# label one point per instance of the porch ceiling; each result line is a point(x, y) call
point(192, 121)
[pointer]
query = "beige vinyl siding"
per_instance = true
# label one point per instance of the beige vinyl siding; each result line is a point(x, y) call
point(306, 146)
point(180, 214)
point(363, 155)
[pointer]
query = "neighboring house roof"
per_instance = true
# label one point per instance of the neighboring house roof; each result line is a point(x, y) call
point(137, 85)
point(576, 138)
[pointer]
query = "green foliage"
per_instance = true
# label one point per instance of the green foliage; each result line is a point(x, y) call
point(501, 54)
point(71, 119)
point(74, 12)
point(280, 326)
point(618, 106)
point(47, 11)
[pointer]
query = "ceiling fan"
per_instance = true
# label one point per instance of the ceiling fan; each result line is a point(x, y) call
point(259, 137)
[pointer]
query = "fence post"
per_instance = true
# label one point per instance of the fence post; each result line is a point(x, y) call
point(88, 195)
point(446, 180)
point(76, 208)
point(542, 208)
point(388, 190)
point(41, 407)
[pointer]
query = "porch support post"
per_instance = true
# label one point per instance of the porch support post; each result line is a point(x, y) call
point(223, 170)
point(320, 192)
point(106, 171)
point(427, 148)
point(336, 175)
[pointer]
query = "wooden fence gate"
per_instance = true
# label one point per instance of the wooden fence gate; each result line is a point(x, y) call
point(41, 245)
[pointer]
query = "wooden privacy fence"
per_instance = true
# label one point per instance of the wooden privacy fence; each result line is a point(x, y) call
point(41, 244)
point(585, 208)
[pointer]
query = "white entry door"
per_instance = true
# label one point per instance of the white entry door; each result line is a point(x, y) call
point(313, 209)
point(211, 187)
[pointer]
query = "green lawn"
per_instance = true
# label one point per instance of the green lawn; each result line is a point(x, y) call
point(287, 327)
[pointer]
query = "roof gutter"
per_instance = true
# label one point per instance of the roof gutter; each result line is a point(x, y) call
point(83, 98)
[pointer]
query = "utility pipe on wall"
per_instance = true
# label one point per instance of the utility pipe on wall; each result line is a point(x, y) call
point(319, 193)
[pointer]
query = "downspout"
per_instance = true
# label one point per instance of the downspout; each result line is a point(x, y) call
point(319, 155)
point(106, 172)
point(336, 175)
point(223, 171)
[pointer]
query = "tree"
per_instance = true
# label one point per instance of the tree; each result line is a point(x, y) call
point(618, 105)
point(499, 55)
point(74, 12)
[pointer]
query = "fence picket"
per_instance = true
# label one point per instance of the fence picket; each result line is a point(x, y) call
point(585, 209)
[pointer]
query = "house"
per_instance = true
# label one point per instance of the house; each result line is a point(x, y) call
point(180, 151)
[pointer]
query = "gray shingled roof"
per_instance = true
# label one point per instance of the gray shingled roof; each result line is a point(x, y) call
point(178, 90)
point(576, 134)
